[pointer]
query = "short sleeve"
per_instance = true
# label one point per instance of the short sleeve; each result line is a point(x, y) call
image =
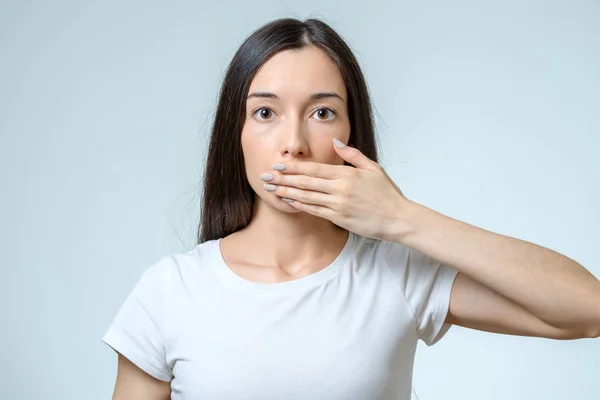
point(138, 329)
point(427, 285)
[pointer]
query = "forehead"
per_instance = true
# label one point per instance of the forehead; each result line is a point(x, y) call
point(299, 72)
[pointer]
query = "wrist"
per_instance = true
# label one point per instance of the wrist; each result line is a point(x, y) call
point(405, 221)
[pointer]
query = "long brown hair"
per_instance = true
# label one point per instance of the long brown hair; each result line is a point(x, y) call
point(228, 199)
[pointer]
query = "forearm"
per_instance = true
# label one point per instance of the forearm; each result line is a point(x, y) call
point(550, 285)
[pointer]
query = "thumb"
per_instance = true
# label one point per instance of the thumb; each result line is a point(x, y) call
point(352, 155)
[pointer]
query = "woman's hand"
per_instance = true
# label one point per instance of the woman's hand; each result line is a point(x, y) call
point(363, 200)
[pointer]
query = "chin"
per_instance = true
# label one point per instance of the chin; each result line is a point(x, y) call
point(282, 205)
point(276, 202)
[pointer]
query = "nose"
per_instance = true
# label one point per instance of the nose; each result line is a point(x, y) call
point(294, 141)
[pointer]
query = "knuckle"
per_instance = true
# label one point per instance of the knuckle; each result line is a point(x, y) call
point(304, 183)
point(345, 189)
point(336, 204)
point(343, 203)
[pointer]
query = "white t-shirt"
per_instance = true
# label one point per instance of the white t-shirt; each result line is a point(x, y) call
point(346, 332)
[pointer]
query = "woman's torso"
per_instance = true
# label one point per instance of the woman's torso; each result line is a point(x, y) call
point(341, 333)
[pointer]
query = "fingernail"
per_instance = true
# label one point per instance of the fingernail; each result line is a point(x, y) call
point(269, 187)
point(279, 167)
point(286, 199)
point(266, 177)
point(338, 143)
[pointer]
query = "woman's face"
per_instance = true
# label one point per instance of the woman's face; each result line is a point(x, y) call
point(296, 105)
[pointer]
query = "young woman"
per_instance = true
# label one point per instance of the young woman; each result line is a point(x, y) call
point(314, 276)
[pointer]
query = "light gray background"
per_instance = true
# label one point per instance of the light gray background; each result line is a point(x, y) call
point(488, 111)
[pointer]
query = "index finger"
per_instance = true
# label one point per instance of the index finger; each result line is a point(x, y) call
point(315, 169)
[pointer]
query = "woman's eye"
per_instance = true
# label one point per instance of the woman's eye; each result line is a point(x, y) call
point(324, 114)
point(264, 114)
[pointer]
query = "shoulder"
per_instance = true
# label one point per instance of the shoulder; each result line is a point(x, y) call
point(398, 256)
point(194, 271)
point(170, 269)
point(390, 254)
point(409, 266)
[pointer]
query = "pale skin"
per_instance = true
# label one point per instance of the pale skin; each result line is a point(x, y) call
point(295, 109)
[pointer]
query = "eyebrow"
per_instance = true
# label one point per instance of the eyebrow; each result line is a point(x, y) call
point(314, 96)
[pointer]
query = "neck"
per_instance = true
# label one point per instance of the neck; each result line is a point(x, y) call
point(284, 239)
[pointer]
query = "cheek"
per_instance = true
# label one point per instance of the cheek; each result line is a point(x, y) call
point(250, 144)
point(255, 160)
point(322, 147)
point(250, 160)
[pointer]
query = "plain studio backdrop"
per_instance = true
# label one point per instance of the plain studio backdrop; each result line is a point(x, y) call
point(488, 112)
